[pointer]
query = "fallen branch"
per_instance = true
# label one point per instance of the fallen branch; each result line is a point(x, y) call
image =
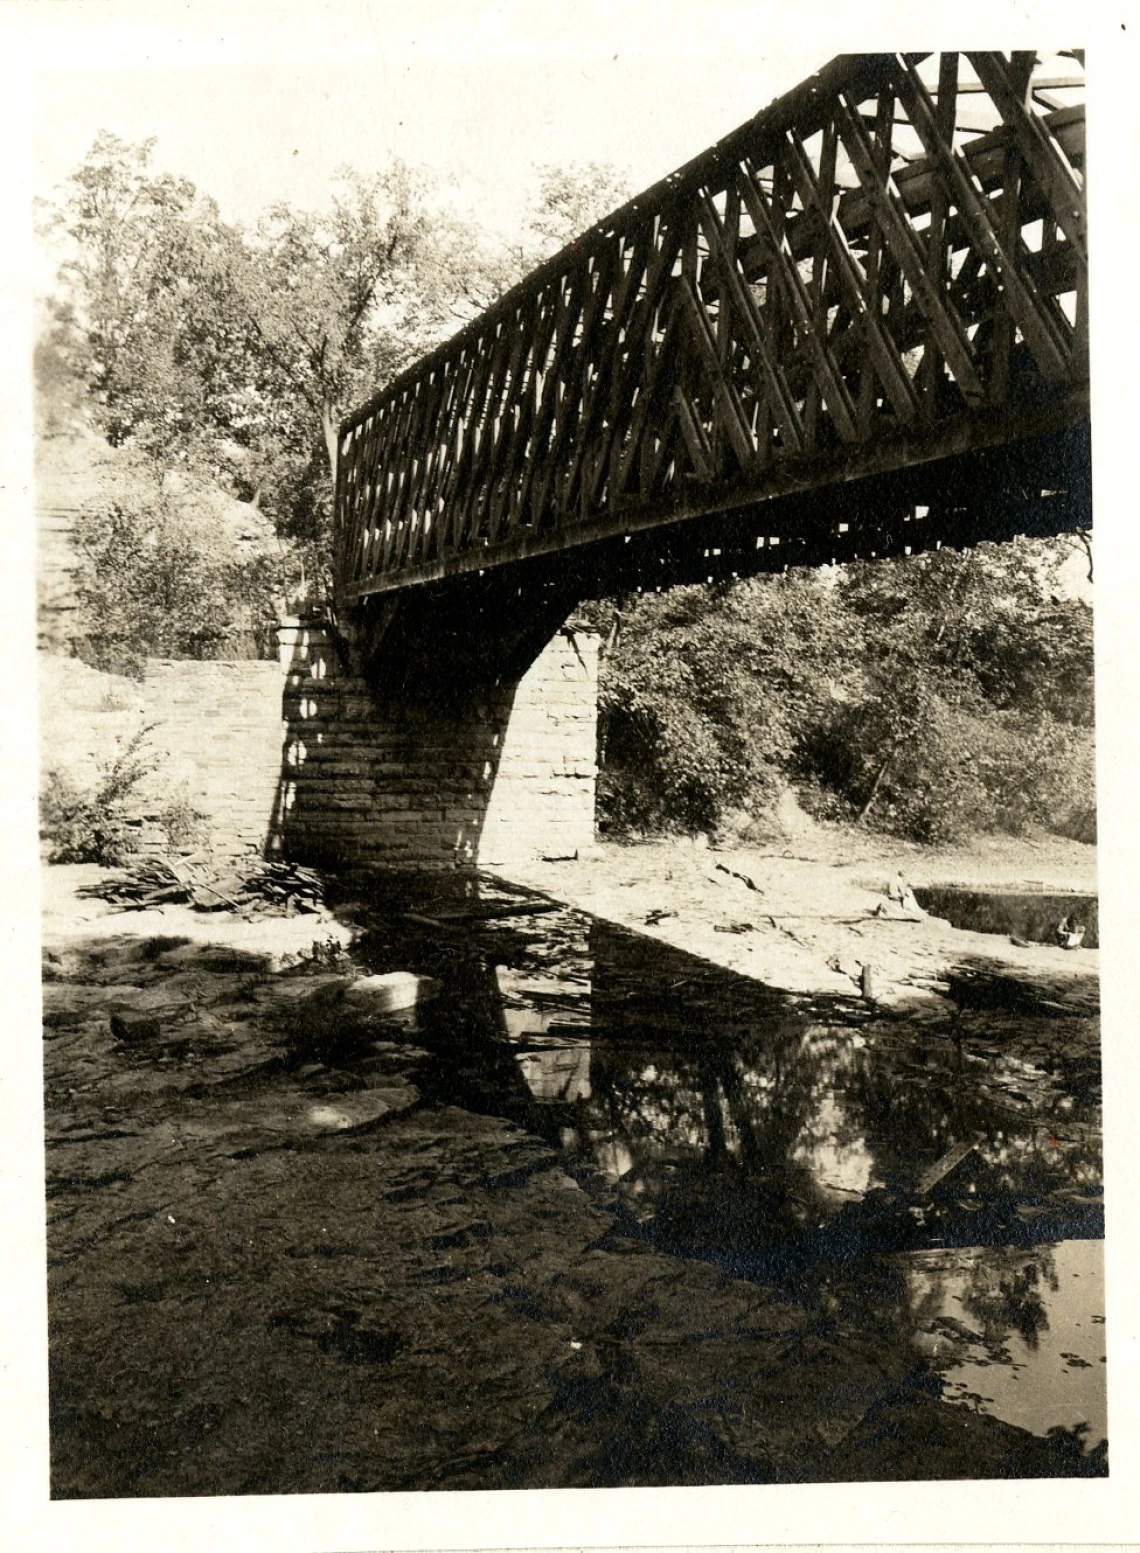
point(744, 879)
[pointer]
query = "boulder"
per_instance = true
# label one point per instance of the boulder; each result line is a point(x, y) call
point(388, 993)
point(130, 1025)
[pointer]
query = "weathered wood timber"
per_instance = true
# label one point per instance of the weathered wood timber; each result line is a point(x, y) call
point(855, 326)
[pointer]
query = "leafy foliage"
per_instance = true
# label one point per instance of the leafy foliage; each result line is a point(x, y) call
point(930, 696)
point(573, 198)
point(202, 342)
point(153, 583)
point(97, 823)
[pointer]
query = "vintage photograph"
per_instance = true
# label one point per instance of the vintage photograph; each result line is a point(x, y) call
point(567, 803)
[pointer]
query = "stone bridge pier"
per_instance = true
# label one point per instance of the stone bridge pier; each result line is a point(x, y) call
point(425, 733)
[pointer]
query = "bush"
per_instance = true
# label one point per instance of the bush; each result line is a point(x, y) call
point(931, 697)
point(152, 582)
point(184, 826)
point(96, 824)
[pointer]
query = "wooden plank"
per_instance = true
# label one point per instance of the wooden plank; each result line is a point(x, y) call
point(834, 390)
point(733, 418)
point(1008, 88)
point(578, 355)
point(507, 507)
point(935, 1174)
point(570, 310)
point(1010, 224)
point(1050, 351)
point(903, 241)
point(937, 258)
point(495, 497)
point(627, 307)
point(619, 408)
point(857, 286)
point(695, 438)
point(591, 401)
point(640, 421)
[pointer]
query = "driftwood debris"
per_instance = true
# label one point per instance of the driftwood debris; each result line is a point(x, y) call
point(155, 880)
point(744, 879)
point(477, 914)
point(944, 1167)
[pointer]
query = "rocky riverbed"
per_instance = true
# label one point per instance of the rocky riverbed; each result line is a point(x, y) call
point(603, 1207)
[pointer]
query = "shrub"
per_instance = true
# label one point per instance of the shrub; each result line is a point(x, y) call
point(96, 824)
point(931, 697)
point(184, 826)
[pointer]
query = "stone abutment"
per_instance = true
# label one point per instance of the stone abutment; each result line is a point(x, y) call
point(493, 766)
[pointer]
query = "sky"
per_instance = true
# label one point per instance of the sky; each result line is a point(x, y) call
point(252, 136)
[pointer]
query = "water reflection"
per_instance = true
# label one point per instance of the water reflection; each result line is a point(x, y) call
point(727, 1116)
point(914, 1177)
point(1017, 1333)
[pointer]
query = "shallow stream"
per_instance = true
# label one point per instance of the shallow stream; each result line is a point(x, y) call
point(595, 1212)
point(941, 1178)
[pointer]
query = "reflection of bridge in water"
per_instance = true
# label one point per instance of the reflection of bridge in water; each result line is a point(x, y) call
point(789, 1143)
point(736, 1122)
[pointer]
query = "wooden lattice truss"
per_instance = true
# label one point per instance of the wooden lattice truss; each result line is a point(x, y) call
point(887, 266)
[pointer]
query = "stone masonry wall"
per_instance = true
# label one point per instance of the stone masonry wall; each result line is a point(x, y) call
point(306, 760)
point(503, 774)
point(214, 734)
point(220, 727)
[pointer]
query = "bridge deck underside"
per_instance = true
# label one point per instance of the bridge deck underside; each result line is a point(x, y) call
point(869, 301)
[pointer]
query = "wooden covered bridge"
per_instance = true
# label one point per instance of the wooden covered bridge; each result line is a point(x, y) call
point(858, 324)
point(855, 327)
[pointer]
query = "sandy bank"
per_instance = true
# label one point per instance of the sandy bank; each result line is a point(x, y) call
point(806, 921)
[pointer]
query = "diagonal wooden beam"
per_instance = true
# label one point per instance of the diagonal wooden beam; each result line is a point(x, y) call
point(631, 373)
point(1049, 349)
point(630, 309)
point(1037, 146)
point(834, 389)
point(733, 419)
point(539, 332)
point(578, 393)
point(903, 242)
point(694, 435)
point(571, 297)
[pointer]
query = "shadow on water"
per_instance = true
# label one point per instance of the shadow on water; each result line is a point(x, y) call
point(297, 1248)
point(1034, 915)
point(933, 1175)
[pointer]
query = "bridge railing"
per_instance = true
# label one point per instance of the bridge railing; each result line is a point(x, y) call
point(885, 266)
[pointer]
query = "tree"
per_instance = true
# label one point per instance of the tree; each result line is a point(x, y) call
point(340, 300)
point(157, 580)
point(930, 696)
point(573, 198)
point(239, 351)
point(146, 255)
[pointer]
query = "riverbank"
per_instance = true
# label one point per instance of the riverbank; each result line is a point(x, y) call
point(596, 1211)
point(808, 913)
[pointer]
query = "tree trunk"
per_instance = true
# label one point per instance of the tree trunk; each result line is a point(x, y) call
point(883, 769)
point(330, 430)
